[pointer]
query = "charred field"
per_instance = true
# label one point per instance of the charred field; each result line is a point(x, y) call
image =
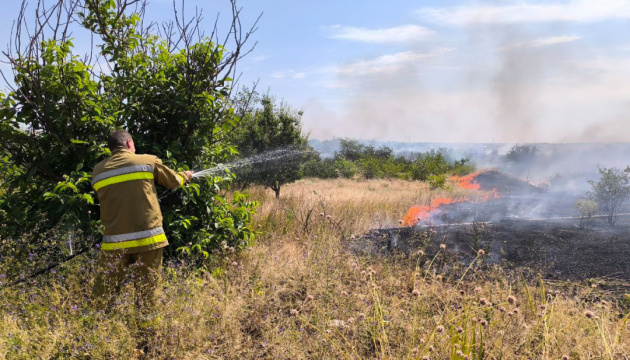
point(520, 227)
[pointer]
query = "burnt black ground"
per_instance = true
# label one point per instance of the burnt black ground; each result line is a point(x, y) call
point(555, 249)
point(527, 228)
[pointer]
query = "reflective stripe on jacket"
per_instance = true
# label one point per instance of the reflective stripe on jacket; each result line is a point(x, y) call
point(130, 212)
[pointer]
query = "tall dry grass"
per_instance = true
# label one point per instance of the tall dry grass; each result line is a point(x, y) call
point(298, 294)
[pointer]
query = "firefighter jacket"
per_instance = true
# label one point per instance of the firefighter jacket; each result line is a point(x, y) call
point(130, 211)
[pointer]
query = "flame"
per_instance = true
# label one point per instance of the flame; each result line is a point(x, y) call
point(418, 213)
point(492, 194)
point(466, 181)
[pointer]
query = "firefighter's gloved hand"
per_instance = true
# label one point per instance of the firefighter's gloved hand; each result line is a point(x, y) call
point(189, 175)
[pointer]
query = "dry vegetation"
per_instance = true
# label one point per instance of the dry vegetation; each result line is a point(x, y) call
point(297, 294)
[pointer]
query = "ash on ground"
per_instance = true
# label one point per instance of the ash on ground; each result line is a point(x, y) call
point(527, 227)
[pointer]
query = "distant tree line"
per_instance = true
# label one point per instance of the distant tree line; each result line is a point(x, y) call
point(356, 160)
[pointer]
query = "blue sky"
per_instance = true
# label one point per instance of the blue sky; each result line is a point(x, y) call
point(443, 71)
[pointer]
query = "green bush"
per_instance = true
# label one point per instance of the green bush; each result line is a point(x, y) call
point(347, 169)
point(437, 181)
point(371, 168)
point(320, 168)
point(174, 102)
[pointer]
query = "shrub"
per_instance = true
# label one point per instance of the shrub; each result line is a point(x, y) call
point(347, 169)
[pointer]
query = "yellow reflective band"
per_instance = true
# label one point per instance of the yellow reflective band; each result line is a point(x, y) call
point(135, 243)
point(122, 178)
point(181, 180)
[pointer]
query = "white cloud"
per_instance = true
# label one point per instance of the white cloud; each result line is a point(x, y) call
point(259, 58)
point(288, 74)
point(405, 33)
point(574, 10)
point(548, 41)
point(387, 63)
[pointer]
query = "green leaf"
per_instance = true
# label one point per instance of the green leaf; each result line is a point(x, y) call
point(88, 198)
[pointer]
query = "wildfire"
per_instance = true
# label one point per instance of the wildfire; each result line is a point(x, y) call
point(419, 213)
point(466, 181)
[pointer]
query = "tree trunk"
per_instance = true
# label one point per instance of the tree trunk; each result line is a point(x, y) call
point(276, 189)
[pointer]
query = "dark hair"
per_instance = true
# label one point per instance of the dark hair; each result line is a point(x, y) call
point(117, 139)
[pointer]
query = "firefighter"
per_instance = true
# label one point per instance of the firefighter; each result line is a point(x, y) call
point(130, 213)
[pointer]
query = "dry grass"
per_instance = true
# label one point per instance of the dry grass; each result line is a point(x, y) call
point(298, 294)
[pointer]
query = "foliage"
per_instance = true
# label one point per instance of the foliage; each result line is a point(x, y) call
point(266, 129)
point(437, 181)
point(350, 149)
point(521, 153)
point(320, 168)
point(375, 163)
point(587, 208)
point(370, 167)
point(428, 164)
point(173, 99)
point(611, 192)
point(347, 169)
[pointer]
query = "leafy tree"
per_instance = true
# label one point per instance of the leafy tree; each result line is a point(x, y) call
point(350, 149)
point(521, 154)
point(171, 92)
point(428, 164)
point(347, 169)
point(611, 192)
point(587, 208)
point(371, 167)
point(274, 134)
point(320, 168)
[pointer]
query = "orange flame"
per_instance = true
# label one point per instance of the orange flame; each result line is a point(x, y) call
point(466, 181)
point(418, 213)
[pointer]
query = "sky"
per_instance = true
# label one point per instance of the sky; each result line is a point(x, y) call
point(435, 71)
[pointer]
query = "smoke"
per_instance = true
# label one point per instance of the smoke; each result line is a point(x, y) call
point(510, 83)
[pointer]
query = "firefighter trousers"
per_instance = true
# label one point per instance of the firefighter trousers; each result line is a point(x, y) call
point(143, 269)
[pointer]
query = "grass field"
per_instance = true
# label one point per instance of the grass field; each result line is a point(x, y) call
point(298, 294)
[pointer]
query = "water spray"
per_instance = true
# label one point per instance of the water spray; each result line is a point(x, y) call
point(257, 159)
